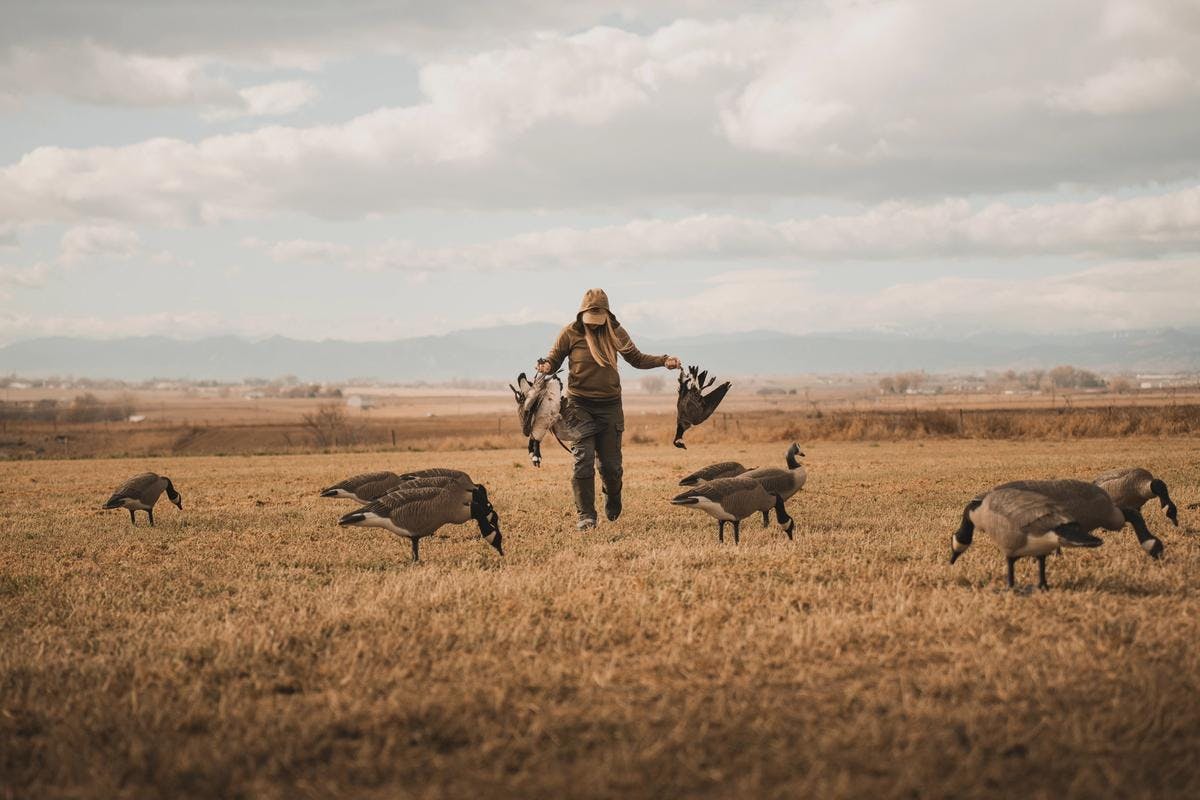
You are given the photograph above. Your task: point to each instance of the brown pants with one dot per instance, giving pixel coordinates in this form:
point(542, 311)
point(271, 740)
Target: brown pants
point(601, 423)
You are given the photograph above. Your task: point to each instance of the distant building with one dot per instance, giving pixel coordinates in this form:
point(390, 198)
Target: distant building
point(359, 402)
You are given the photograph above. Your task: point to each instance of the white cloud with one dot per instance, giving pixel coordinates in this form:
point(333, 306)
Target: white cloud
point(1131, 86)
point(1120, 296)
point(846, 100)
point(23, 277)
point(85, 242)
point(89, 73)
point(267, 100)
point(1147, 225)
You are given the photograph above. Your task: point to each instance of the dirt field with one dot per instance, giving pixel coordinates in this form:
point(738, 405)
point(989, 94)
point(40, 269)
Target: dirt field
point(249, 647)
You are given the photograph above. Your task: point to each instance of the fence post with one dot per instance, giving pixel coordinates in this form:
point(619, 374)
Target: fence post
point(393, 437)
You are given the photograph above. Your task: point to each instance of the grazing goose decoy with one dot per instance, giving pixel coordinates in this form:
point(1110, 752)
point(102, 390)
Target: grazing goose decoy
point(417, 513)
point(722, 469)
point(1134, 487)
point(693, 407)
point(783, 482)
point(365, 487)
point(1093, 509)
point(141, 492)
point(732, 500)
point(1025, 523)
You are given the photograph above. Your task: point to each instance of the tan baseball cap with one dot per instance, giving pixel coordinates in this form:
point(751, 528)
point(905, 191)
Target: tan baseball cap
point(595, 316)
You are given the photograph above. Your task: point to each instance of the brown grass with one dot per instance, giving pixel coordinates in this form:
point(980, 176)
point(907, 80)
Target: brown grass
point(249, 647)
point(499, 431)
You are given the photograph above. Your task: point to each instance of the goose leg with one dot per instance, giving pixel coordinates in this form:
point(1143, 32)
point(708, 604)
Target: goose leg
point(1042, 573)
point(1011, 563)
point(132, 518)
point(737, 529)
point(150, 514)
point(766, 518)
point(721, 531)
point(416, 549)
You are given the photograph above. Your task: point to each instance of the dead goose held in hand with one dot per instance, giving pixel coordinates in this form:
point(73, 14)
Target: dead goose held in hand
point(693, 406)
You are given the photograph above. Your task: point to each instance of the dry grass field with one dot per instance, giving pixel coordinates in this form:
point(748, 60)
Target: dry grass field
point(249, 647)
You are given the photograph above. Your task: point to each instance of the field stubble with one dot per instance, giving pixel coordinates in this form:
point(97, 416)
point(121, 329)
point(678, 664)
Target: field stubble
point(248, 646)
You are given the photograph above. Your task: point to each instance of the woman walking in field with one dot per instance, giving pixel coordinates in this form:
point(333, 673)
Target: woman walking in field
point(591, 344)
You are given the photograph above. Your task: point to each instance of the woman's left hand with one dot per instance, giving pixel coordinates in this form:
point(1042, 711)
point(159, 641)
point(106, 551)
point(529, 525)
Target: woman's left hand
point(672, 362)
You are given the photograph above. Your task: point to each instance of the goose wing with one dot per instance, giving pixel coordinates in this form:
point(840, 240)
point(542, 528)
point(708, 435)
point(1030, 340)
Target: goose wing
point(366, 486)
point(1032, 513)
point(738, 496)
point(435, 472)
point(135, 488)
point(722, 469)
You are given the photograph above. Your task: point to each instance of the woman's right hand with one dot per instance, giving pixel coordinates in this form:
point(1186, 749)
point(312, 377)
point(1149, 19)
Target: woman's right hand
point(543, 366)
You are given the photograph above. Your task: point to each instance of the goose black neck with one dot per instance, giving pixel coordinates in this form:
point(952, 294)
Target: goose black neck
point(1164, 497)
point(966, 529)
point(1135, 518)
point(791, 457)
point(171, 493)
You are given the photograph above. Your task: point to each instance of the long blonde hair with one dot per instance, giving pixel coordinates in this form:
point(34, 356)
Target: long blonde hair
point(604, 345)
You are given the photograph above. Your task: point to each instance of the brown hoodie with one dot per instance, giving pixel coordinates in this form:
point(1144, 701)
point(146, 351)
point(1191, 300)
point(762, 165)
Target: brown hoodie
point(587, 378)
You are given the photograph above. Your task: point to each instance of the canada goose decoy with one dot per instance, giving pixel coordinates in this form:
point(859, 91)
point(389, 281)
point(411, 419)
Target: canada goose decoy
point(417, 513)
point(722, 469)
point(693, 407)
point(141, 492)
point(1133, 487)
point(1026, 523)
point(783, 482)
point(732, 500)
point(365, 487)
point(1093, 509)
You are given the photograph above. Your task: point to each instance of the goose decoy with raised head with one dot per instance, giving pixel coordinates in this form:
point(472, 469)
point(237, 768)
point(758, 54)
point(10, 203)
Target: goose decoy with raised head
point(783, 482)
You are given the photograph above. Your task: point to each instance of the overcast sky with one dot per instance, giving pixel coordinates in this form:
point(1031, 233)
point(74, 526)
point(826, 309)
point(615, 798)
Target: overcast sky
point(366, 170)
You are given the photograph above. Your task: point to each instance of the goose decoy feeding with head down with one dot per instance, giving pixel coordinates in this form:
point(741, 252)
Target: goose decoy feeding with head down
point(141, 492)
point(1036, 518)
point(732, 500)
point(365, 487)
point(1133, 487)
point(693, 406)
point(415, 513)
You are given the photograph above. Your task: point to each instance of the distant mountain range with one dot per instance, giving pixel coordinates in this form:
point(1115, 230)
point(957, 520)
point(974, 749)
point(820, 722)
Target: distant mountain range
point(504, 351)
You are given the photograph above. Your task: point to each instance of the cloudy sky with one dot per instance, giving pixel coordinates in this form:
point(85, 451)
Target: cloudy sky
point(368, 170)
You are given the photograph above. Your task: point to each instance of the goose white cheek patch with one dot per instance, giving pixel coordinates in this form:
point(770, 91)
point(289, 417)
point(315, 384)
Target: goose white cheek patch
point(957, 546)
point(1150, 544)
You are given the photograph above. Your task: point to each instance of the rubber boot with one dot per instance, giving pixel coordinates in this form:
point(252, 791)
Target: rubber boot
point(612, 499)
point(585, 502)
